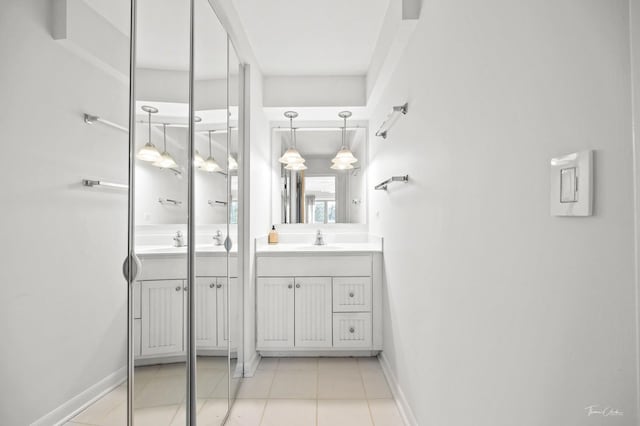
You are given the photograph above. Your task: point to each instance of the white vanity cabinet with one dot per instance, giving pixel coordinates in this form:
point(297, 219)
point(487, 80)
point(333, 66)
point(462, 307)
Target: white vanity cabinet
point(160, 300)
point(317, 303)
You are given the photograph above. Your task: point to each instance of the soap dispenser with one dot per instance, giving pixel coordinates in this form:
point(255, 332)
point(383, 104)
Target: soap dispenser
point(273, 235)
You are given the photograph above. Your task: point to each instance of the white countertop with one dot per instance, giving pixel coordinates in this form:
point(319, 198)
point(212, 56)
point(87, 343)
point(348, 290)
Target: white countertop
point(363, 247)
point(204, 249)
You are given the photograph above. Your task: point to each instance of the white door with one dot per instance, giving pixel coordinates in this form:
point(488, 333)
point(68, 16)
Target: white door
point(206, 312)
point(313, 312)
point(275, 312)
point(162, 317)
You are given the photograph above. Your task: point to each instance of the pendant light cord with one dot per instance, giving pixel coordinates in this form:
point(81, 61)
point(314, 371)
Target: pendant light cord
point(291, 130)
point(210, 156)
point(149, 126)
point(164, 135)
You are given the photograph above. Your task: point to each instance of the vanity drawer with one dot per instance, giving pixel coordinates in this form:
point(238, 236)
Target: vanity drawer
point(314, 266)
point(352, 330)
point(352, 294)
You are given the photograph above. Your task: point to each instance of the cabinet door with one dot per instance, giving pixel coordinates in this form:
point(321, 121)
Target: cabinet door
point(313, 314)
point(275, 312)
point(206, 312)
point(223, 322)
point(162, 317)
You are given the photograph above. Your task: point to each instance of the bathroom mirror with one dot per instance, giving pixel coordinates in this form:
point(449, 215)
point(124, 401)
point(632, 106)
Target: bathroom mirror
point(319, 194)
point(164, 302)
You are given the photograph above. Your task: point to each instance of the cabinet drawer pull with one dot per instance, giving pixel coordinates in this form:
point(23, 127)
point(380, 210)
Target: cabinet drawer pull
point(352, 330)
point(185, 288)
point(212, 285)
point(290, 286)
point(219, 286)
point(351, 294)
point(297, 285)
point(178, 288)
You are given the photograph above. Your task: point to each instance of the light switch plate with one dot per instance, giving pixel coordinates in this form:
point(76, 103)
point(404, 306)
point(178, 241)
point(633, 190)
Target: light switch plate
point(572, 184)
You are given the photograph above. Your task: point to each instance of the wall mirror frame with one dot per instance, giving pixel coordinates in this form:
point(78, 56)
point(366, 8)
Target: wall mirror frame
point(184, 269)
point(319, 195)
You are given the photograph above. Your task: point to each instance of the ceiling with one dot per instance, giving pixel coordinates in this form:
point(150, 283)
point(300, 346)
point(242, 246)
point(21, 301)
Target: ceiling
point(163, 34)
point(312, 37)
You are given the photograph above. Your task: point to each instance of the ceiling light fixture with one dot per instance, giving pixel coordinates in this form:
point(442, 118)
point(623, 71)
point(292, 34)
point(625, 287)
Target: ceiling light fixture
point(149, 152)
point(210, 164)
point(291, 155)
point(166, 161)
point(344, 159)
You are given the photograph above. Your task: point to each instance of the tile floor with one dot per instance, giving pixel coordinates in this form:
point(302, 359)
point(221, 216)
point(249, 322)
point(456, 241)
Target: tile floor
point(284, 391)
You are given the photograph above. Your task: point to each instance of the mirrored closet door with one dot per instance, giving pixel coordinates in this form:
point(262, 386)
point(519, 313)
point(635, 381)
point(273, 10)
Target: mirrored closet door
point(185, 296)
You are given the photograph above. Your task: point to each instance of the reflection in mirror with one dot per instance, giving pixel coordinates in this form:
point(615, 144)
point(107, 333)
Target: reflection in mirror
point(211, 205)
point(234, 167)
point(159, 295)
point(321, 169)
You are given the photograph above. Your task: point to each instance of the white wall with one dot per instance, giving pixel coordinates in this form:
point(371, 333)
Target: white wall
point(63, 304)
point(497, 313)
point(259, 188)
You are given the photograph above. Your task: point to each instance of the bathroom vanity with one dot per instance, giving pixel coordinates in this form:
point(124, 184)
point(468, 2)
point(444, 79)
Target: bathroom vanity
point(160, 297)
point(319, 300)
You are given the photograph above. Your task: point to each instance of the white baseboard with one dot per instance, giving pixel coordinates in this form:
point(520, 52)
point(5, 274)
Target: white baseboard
point(81, 401)
point(398, 395)
point(250, 366)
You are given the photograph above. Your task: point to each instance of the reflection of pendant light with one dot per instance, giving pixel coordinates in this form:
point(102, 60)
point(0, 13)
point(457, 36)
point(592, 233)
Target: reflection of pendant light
point(166, 161)
point(210, 164)
point(344, 159)
point(295, 164)
point(198, 161)
point(149, 152)
point(291, 155)
point(233, 164)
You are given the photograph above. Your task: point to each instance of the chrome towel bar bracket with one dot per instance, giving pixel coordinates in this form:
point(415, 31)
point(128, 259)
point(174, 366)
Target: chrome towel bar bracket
point(391, 119)
point(383, 185)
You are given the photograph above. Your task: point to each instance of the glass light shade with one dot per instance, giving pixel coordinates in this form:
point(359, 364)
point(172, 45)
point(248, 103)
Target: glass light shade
point(198, 161)
point(291, 156)
point(166, 161)
point(211, 166)
point(295, 166)
point(148, 153)
point(345, 156)
point(338, 165)
point(233, 164)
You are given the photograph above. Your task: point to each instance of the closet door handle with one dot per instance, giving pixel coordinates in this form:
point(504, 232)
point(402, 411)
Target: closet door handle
point(290, 286)
point(212, 285)
point(178, 288)
point(297, 285)
point(351, 294)
point(219, 286)
point(352, 330)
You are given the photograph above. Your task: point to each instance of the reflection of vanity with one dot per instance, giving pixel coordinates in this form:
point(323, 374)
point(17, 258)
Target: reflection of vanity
point(319, 300)
point(160, 302)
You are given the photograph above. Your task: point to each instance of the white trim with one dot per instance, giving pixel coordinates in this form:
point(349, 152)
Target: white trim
point(401, 401)
point(78, 403)
point(251, 365)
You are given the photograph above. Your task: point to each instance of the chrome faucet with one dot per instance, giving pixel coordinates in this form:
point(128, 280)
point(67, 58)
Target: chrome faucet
point(218, 238)
point(178, 240)
point(319, 239)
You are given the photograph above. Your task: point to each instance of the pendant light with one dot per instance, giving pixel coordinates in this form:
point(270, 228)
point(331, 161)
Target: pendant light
point(210, 164)
point(295, 165)
point(149, 152)
point(198, 161)
point(344, 159)
point(166, 161)
point(291, 155)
